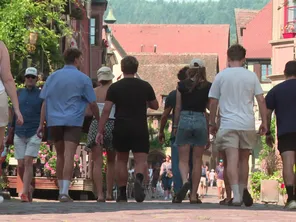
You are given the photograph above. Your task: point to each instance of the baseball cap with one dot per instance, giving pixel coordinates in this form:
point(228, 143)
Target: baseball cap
point(31, 71)
point(290, 68)
point(105, 73)
point(195, 63)
point(221, 161)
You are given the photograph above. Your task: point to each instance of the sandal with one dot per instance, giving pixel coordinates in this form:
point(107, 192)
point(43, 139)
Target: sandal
point(30, 194)
point(24, 198)
point(110, 199)
point(65, 198)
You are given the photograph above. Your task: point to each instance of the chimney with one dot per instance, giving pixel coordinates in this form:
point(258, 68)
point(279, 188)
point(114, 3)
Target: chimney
point(155, 47)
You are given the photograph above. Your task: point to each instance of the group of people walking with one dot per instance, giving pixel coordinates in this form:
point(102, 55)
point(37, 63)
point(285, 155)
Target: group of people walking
point(119, 124)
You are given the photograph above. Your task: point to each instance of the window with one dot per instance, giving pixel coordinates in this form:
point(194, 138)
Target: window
point(290, 16)
point(265, 72)
point(163, 97)
point(92, 31)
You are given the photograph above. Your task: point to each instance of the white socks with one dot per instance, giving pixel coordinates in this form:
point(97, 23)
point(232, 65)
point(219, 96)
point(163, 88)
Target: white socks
point(66, 185)
point(242, 187)
point(236, 193)
point(60, 182)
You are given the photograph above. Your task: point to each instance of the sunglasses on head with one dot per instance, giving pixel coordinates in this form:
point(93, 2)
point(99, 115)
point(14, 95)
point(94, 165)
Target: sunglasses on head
point(30, 77)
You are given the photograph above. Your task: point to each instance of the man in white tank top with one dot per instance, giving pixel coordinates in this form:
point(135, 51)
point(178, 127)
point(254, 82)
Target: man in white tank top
point(7, 84)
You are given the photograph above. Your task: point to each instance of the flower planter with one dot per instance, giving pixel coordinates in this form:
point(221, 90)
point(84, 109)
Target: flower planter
point(269, 191)
point(289, 35)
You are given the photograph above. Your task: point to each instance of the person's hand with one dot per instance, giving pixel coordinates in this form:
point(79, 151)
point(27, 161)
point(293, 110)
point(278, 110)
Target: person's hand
point(269, 140)
point(208, 144)
point(19, 117)
point(100, 138)
point(161, 137)
point(263, 129)
point(213, 130)
point(40, 131)
point(175, 131)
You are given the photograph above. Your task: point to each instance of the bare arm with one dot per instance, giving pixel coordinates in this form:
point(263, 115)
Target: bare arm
point(262, 108)
point(93, 107)
point(43, 112)
point(213, 111)
point(105, 116)
point(153, 104)
point(177, 109)
point(269, 115)
point(6, 76)
point(164, 119)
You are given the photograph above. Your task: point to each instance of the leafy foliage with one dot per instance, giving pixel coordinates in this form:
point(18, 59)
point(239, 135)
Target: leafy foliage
point(193, 12)
point(22, 17)
point(154, 143)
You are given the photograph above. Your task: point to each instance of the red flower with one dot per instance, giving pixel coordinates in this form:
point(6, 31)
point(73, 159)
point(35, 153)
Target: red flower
point(104, 153)
point(283, 186)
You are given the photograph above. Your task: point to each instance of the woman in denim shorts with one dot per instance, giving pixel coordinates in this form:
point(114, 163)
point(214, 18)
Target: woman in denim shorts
point(191, 128)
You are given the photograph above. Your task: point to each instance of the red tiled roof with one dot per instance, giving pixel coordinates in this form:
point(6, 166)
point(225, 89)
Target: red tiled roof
point(242, 18)
point(160, 70)
point(258, 33)
point(176, 39)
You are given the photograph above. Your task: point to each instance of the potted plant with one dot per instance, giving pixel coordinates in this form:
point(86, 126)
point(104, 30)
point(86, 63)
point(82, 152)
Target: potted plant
point(289, 31)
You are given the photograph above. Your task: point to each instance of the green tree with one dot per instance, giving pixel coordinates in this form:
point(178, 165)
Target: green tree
point(22, 17)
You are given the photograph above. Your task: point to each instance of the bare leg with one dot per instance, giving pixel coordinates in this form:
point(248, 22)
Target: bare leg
point(226, 181)
point(97, 171)
point(28, 174)
point(21, 168)
point(196, 172)
point(232, 155)
point(183, 162)
point(2, 133)
point(110, 173)
point(121, 174)
point(244, 155)
point(288, 158)
point(60, 149)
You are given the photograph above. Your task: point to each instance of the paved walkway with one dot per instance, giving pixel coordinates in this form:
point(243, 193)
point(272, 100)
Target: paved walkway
point(154, 211)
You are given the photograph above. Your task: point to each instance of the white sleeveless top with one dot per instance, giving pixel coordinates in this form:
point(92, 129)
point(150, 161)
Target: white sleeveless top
point(112, 113)
point(2, 88)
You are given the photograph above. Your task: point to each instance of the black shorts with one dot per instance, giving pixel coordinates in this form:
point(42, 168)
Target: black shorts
point(136, 142)
point(287, 142)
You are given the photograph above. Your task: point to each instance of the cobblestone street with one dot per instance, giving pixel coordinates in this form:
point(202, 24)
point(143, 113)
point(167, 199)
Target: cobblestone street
point(42, 210)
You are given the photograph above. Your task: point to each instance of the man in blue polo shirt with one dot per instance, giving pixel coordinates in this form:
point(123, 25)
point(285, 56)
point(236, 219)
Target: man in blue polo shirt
point(67, 92)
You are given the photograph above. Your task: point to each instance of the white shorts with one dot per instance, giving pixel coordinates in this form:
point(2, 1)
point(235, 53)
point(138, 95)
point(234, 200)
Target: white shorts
point(26, 146)
point(3, 109)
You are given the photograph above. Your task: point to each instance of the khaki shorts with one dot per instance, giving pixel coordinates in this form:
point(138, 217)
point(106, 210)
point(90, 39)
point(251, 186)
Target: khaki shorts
point(26, 146)
point(220, 184)
point(241, 139)
point(3, 109)
point(203, 181)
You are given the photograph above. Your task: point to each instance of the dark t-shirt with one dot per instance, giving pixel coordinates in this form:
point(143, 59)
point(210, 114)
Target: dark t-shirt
point(282, 99)
point(220, 172)
point(195, 100)
point(170, 101)
point(130, 96)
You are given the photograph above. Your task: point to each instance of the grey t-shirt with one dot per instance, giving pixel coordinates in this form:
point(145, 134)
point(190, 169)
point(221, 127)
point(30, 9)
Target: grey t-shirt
point(235, 89)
